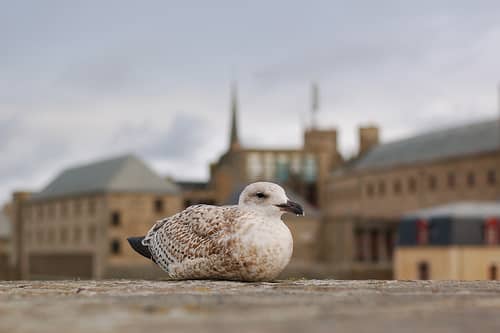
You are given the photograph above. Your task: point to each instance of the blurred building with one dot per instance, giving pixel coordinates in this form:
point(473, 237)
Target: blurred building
point(368, 195)
point(78, 224)
point(5, 243)
point(458, 241)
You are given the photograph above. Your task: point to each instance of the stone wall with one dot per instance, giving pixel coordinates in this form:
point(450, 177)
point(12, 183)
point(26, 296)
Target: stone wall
point(220, 306)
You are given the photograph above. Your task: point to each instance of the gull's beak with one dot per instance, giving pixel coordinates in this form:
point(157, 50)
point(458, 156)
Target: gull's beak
point(291, 207)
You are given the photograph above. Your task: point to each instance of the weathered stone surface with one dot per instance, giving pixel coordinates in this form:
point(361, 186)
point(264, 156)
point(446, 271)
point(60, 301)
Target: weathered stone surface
point(220, 306)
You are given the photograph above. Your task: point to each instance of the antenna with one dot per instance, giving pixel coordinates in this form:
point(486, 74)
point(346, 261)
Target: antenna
point(314, 103)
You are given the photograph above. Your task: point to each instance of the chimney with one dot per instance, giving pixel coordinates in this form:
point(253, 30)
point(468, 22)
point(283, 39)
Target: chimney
point(368, 138)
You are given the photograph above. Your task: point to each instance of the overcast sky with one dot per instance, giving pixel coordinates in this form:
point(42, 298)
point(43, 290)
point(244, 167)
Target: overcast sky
point(84, 80)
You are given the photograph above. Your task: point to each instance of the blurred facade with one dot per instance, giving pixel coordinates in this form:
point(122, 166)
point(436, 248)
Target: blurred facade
point(369, 194)
point(5, 243)
point(456, 241)
point(77, 226)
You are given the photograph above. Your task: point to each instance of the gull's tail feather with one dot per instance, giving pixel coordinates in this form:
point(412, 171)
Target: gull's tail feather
point(136, 244)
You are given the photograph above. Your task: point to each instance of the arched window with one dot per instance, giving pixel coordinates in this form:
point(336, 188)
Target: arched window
point(423, 270)
point(493, 272)
point(491, 229)
point(422, 232)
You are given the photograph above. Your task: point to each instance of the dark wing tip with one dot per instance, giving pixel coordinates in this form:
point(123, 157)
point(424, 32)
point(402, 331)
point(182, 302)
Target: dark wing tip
point(136, 244)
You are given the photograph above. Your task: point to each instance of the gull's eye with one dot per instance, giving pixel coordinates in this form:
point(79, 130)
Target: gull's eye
point(261, 195)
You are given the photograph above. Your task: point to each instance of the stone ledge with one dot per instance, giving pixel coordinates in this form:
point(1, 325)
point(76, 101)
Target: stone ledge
point(221, 306)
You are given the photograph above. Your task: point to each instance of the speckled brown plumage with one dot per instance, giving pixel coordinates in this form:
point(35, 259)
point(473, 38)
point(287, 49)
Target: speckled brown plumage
point(241, 242)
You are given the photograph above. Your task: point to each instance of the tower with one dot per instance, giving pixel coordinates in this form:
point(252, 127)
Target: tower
point(234, 141)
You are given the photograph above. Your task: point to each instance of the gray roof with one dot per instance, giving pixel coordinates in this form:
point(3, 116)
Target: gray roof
point(188, 185)
point(5, 226)
point(470, 209)
point(122, 174)
point(468, 139)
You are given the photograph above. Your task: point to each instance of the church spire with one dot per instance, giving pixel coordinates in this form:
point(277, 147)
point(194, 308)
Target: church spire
point(234, 141)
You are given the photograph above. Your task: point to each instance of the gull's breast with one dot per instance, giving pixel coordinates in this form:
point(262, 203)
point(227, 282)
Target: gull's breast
point(264, 249)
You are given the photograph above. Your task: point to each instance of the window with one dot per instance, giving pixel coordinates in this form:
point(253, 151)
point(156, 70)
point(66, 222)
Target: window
point(254, 166)
point(91, 207)
point(158, 206)
point(33, 213)
point(269, 166)
point(451, 180)
point(64, 209)
point(63, 235)
point(310, 168)
point(115, 219)
point(491, 229)
point(27, 237)
point(492, 177)
point(39, 236)
point(432, 182)
point(381, 187)
point(370, 190)
point(412, 185)
point(27, 214)
point(77, 207)
point(311, 193)
point(389, 243)
point(471, 179)
point(295, 165)
point(40, 212)
point(493, 272)
point(423, 270)
point(51, 236)
point(50, 210)
point(397, 187)
point(282, 168)
point(115, 246)
point(77, 234)
point(374, 245)
point(360, 245)
point(92, 234)
point(422, 232)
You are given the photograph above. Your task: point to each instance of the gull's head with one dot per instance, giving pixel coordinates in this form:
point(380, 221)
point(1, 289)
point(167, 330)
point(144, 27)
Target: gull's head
point(269, 199)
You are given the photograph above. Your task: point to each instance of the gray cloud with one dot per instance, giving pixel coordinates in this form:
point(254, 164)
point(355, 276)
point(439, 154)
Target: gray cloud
point(87, 80)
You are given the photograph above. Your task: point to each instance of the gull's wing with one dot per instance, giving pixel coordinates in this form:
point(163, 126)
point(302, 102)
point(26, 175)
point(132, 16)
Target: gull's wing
point(197, 232)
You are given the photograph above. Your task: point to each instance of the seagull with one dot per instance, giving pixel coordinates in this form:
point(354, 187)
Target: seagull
point(244, 242)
